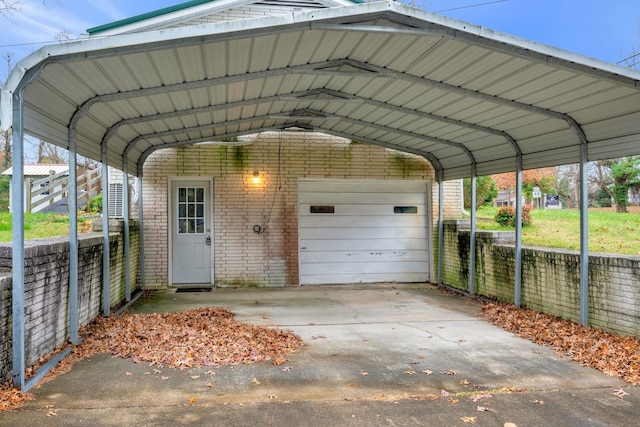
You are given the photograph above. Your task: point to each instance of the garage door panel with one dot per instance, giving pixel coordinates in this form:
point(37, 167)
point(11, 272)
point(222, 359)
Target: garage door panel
point(327, 221)
point(363, 231)
point(362, 198)
point(362, 245)
point(358, 233)
point(331, 279)
point(380, 256)
point(358, 210)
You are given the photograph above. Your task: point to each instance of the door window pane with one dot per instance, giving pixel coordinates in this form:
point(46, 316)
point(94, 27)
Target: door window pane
point(190, 210)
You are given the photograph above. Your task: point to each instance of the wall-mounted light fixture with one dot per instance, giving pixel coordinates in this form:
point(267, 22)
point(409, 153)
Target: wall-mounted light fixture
point(256, 178)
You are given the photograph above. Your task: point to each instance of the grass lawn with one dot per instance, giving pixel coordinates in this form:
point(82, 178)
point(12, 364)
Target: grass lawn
point(39, 225)
point(608, 231)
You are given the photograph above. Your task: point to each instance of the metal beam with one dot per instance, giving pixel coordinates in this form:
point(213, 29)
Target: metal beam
point(472, 242)
point(17, 242)
point(440, 223)
point(74, 323)
point(141, 232)
point(517, 299)
point(106, 282)
point(584, 236)
point(127, 249)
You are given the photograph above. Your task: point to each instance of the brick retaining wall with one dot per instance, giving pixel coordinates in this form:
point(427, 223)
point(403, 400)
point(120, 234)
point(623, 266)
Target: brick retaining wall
point(550, 277)
point(46, 290)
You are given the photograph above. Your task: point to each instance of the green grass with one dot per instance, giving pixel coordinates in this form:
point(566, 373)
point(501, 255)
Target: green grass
point(609, 231)
point(39, 225)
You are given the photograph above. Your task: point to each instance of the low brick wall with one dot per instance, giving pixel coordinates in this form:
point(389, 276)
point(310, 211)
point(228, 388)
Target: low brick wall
point(47, 290)
point(550, 277)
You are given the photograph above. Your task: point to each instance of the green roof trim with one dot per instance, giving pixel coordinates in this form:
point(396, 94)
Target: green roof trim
point(159, 12)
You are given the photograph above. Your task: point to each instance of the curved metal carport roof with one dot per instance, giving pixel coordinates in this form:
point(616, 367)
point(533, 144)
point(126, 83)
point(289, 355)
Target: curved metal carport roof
point(470, 100)
point(380, 72)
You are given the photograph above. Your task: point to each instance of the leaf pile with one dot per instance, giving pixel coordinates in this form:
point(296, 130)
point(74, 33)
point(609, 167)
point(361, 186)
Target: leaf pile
point(614, 355)
point(195, 338)
point(202, 337)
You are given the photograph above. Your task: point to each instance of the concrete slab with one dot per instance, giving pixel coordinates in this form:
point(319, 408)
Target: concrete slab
point(373, 355)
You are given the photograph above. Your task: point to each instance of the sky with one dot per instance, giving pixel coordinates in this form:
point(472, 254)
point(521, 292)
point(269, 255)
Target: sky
point(604, 29)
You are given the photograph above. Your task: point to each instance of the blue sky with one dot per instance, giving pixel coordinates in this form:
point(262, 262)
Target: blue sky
point(603, 29)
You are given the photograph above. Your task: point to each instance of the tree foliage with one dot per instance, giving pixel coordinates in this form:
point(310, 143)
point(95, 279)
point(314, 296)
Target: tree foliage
point(486, 191)
point(616, 176)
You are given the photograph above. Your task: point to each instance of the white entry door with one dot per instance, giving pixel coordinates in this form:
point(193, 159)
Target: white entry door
point(191, 237)
point(363, 231)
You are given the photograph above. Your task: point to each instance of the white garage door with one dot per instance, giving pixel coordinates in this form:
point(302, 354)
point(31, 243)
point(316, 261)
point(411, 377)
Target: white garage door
point(363, 231)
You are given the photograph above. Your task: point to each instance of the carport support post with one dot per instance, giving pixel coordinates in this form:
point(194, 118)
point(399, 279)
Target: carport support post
point(141, 232)
point(17, 244)
point(73, 238)
point(106, 297)
point(125, 203)
point(472, 244)
point(584, 238)
point(440, 224)
point(518, 273)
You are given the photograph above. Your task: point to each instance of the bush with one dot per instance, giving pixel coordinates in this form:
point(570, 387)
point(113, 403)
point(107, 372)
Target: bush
point(506, 216)
point(95, 205)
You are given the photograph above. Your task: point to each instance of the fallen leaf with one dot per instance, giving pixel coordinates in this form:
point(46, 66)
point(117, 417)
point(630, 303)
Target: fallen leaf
point(481, 396)
point(510, 425)
point(193, 400)
point(444, 393)
point(164, 378)
point(287, 368)
point(453, 401)
point(483, 409)
point(468, 419)
point(464, 382)
point(428, 372)
point(410, 372)
point(195, 377)
point(620, 393)
point(272, 396)
point(449, 372)
point(128, 374)
point(255, 381)
point(537, 402)
point(364, 373)
point(279, 361)
point(209, 385)
point(51, 414)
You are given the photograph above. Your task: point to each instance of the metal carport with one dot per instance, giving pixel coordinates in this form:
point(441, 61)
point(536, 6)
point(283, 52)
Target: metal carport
point(470, 100)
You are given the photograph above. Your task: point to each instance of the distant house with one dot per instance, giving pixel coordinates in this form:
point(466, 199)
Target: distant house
point(41, 180)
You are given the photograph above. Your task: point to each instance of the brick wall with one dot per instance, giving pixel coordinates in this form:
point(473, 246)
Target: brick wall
point(46, 290)
point(269, 259)
point(550, 278)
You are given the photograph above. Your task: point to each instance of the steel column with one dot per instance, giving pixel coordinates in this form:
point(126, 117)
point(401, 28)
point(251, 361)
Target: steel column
point(472, 244)
point(106, 290)
point(440, 224)
point(141, 232)
point(584, 237)
point(17, 242)
point(125, 205)
point(73, 239)
point(518, 272)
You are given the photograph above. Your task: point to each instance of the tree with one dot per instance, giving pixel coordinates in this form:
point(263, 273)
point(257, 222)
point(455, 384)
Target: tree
point(615, 176)
point(545, 178)
point(486, 191)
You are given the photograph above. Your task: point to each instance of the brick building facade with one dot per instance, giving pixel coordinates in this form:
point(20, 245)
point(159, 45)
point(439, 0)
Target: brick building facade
point(242, 257)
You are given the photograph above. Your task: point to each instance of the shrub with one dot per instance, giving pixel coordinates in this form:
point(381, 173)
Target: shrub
point(95, 204)
point(506, 216)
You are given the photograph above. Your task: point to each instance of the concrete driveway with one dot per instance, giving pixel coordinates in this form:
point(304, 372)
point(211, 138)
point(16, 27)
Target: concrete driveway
point(387, 355)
